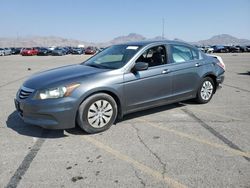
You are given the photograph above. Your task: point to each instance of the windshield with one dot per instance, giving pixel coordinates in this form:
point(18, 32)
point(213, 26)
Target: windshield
point(113, 57)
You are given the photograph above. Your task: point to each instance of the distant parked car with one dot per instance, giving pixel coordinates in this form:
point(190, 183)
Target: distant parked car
point(29, 51)
point(52, 47)
point(2, 53)
point(68, 50)
point(90, 50)
point(58, 51)
point(248, 48)
point(7, 51)
point(208, 49)
point(242, 48)
point(15, 51)
point(77, 51)
point(232, 49)
point(219, 49)
point(44, 51)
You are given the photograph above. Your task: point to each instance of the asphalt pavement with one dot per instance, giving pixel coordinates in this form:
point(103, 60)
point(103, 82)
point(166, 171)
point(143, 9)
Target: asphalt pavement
point(177, 145)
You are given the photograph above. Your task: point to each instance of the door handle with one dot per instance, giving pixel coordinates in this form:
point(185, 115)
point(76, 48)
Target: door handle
point(165, 71)
point(197, 64)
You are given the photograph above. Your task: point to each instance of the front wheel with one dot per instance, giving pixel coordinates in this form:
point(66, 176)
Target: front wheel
point(205, 91)
point(97, 113)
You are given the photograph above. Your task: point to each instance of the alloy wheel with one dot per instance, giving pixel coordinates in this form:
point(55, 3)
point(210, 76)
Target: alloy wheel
point(99, 113)
point(206, 90)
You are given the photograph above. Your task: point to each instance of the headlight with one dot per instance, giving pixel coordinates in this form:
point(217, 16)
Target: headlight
point(58, 92)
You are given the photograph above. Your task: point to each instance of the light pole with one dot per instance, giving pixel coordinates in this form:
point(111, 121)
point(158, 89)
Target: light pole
point(163, 28)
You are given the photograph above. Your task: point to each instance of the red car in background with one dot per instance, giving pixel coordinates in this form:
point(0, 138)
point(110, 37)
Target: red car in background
point(90, 50)
point(29, 51)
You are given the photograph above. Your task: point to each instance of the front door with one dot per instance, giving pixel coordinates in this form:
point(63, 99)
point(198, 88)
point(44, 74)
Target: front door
point(148, 87)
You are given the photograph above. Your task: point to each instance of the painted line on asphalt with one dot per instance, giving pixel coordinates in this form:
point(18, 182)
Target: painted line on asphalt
point(235, 87)
point(223, 107)
point(13, 81)
point(194, 138)
point(214, 132)
point(219, 115)
point(24, 166)
point(170, 181)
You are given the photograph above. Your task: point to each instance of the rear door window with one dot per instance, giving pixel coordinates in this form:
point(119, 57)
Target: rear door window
point(182, 53)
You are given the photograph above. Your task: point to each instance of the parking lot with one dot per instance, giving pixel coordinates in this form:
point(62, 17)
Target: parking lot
point(178, 145)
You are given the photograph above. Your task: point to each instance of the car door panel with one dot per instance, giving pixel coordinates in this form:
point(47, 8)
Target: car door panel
point(185, 78)
point(186, 67)
point(143, 88)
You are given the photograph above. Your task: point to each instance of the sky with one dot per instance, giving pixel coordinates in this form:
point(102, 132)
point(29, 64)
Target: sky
point(102, 20)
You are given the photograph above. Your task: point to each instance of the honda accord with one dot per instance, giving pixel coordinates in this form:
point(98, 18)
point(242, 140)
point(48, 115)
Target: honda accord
point(119, 80)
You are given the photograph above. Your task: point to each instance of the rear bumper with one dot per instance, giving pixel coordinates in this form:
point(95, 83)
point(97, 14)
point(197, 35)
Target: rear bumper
point(220, 80)
point(49, 114)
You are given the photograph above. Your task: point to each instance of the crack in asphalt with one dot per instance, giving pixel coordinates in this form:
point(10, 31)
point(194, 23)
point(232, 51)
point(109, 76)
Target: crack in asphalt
point(139, 178)
point(152, 152)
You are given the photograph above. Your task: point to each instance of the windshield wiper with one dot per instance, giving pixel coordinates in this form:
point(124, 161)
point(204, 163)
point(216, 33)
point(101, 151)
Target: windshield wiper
point(94, 65)
point(100, 66)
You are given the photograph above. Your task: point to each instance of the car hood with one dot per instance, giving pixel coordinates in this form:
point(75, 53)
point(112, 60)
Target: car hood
point(60, 76)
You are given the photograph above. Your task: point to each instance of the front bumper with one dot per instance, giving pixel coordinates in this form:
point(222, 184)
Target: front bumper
point(50, 113)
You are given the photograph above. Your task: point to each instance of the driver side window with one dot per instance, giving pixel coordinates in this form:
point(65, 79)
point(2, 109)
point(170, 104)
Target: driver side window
point(154, 56)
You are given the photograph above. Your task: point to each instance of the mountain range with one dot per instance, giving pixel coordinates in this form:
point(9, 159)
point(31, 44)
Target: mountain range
point(223, 39)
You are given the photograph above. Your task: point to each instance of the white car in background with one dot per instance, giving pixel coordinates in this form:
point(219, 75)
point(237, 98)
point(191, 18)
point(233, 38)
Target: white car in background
point(208, 49)
point(2, 53)
point(52, 48)
point(7, 51)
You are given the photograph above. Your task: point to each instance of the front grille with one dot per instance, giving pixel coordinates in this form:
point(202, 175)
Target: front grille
point(25, 92)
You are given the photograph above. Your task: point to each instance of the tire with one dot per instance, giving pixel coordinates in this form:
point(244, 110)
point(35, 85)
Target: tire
point(97, 113)
point(205, 91)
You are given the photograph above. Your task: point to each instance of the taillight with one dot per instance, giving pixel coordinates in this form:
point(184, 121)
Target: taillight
point(220, 62)
point(222, 65)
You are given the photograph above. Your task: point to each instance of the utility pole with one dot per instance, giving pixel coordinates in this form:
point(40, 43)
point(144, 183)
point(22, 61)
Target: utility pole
point(17, 39)
point(163, 28)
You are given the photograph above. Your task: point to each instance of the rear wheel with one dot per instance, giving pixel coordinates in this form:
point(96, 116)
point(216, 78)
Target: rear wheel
point(97, 113)
point(205, 91)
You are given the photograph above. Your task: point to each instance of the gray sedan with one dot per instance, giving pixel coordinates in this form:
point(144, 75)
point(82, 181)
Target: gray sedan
point(119, 80)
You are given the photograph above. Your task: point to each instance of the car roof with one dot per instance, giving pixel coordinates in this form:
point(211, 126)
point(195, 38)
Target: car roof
point(149, 42)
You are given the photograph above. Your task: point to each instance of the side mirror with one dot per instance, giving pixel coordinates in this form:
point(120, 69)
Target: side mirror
point(140, 66)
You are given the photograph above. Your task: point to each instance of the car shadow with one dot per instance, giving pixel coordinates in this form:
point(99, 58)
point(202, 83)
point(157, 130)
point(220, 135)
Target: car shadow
point(77, 131)
point(15, 123)
point(150, 111)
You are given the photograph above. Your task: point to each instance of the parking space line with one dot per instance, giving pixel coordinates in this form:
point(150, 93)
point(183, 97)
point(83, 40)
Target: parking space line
point(24, 166)
point(13, 81)
point(170, 181)
point(222, 107)
point(194, 138)
point(214, 132)
point(235, 87)
point(219, 115)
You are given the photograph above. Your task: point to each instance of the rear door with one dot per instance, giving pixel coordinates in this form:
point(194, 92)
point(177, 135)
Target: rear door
point(186, 65)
